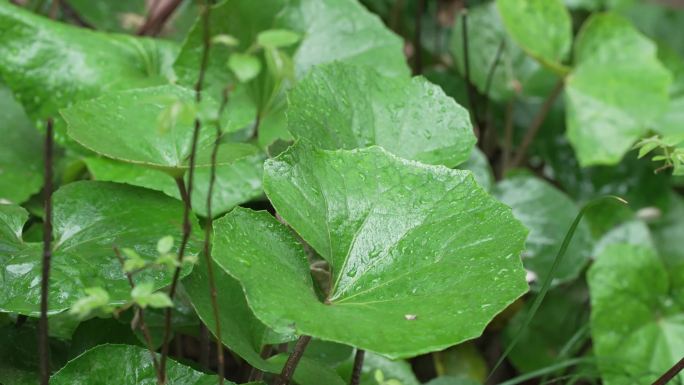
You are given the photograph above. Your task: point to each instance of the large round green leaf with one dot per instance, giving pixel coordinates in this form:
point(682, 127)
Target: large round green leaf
point(637, 322)
point(128, 126)
point(548, 213)
point(420, 256)
point(235, 183)
point(89, 219)
point(542, 28)
point(21, 166)
point(124, 365)
point(617, 90)
point(344, 106)
point(50, 64)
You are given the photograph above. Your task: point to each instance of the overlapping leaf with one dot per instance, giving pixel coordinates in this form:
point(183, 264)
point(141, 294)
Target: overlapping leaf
point(21, 171)
point(128, 126)
point(617, 90)
point(548, 213)
point(124, 365)
point(343, 106)
point(636, 320)
point(50, 65)
point(90, 218)
point(420, 256)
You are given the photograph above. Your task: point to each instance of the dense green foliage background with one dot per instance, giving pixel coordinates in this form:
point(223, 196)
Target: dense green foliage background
point(394, 176)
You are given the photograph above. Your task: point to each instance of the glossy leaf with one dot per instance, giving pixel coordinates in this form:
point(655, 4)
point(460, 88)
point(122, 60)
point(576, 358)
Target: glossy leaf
point(125, 126)
point(636, 320)
point(236, 183)
point(374, 217)
point(344, 106)
point(124, 365)
point(617, 90)
point(90, 218)
point(547, 18)
point(548, 213)
point(21, 168)
point(50, 65)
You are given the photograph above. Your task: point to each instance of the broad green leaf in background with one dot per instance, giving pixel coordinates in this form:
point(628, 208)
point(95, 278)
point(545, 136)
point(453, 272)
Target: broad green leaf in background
point(124, 365)
point(463, 360)
point(397, 370)
point(478, 164)
point(542, 28)
point(235, 183)
point(50, 64)
point(89, 219)
point(344, 106)
point(21, 149)
point(547, 213)
point(632, 232)
point(616, 92)
point(451, 380)
point(374, 217)
point(637, 322)
point(516, 72)
point(667, 236)
point(126, 126)
point(561, 316)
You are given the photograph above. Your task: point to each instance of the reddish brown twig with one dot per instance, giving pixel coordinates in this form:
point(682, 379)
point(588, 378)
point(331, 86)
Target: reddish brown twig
point(157, 18)
point(358, 366)
point(671, 373)
point(292, 361)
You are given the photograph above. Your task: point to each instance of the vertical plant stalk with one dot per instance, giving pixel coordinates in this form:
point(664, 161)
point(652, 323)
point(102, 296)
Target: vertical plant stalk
point(186, 190)
point(550, 275)
point(256, 374)
point(207, 240)
point(490, 79)
point(141, 320)
point(358, 365)
point(417, 43)
point(158, 17)
point(671, 373)
point(292, 361)
point(43, 342)
point(536, 124)
point(472, 95)
point(508, 140)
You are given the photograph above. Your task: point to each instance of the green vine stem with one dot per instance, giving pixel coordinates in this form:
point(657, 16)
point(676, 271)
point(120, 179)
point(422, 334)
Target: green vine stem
point(43, 343)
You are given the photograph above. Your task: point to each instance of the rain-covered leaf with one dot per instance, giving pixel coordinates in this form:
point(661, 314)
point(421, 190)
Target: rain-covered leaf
point(124, 365)
point(547, 18)
point(125, 126)
point(89, 219)
point(616, 92)
point(236, 183)
point(343, 106)
point(636, 319)
point(21, 169)
point(50, 65)
point(374, 217)
point(547, 212)
point(516, 73)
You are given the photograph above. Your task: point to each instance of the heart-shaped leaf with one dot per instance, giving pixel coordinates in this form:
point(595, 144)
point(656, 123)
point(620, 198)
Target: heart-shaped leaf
point(420, 256)
point(89, 219)
point(126, 126)
point(124, 365)
point(344, 106)
point(636, 317)
point(21, 170)
point(50, 64)
point(548, 213)
point(235, 183)
point(617, 90)
point(547, 18)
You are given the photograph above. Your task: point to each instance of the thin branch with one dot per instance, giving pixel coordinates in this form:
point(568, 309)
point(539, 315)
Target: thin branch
point(292, 361)
point(255, 374)
point(472, 104)
point(141, 319)
point(186, 191)
point(417, 43)
point(508, 140)
point(536, 124)
point(207, 240)
point(43, 343)
point(157, 18)
point(358, 365)
point(490, 77)
point(671, 373)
